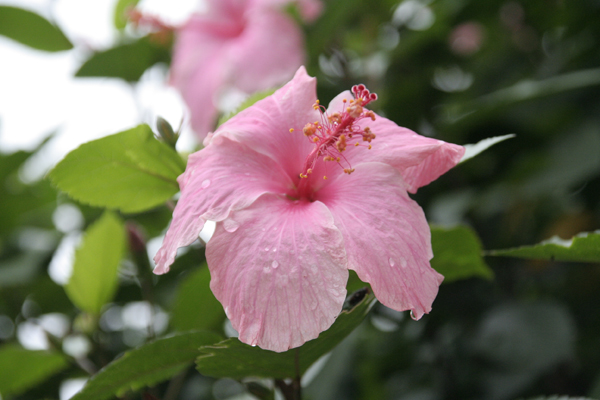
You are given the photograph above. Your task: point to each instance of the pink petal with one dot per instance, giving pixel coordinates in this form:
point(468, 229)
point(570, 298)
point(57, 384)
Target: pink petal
point(265, 127)
point(387, 238)
point(278, 268)
point(419, 159)
point(267, 53)
point(198, 70)
point(235, 44)
point(222, 177)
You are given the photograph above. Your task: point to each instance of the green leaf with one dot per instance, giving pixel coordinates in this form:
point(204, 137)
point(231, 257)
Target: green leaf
point(130, 171)
point(23, 369)
point(585, 247)
point(31, 30)
point(121, 8)
point(234, 359)
point(127, 61)
point(21, 203)
point(471, 150)
point(525, 90)
point(146, 366)
point(457, 254)
point(195, 305)
point(247, 103)
point(94, 278)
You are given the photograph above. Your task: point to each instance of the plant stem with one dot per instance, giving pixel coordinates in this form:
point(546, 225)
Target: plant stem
point(293, 390)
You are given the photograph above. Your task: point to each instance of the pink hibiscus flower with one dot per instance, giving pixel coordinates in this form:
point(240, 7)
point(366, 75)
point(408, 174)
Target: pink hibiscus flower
point(301, 195)
point(251, 45)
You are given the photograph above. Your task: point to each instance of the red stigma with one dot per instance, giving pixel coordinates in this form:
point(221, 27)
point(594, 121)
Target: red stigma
point(338, 132)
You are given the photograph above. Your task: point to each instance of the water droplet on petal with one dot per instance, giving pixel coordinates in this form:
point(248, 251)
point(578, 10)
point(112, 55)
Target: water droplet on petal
point(274, 249)
point(412, 315)
point(275, 264)
point(266, 249)
point(392, 262)
point(230, 225)
point(205, 183)
point(403, 262)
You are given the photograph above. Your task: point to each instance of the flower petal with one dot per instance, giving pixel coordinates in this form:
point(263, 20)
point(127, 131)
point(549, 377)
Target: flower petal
point(387, 238)
point(224, 176)
point(265, 126)
point(267, 53)
point(419, 159)
point(197, 69)
point(279, 269)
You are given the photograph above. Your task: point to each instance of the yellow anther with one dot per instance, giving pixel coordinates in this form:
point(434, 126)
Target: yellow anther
point(344, 101)
point(335, 118)
point(341, 143)
point(303, 175)
point(369, 147)
point(291, 130)
point(349, 170)
point(355, 109)
point(356, 144)
point(371, 115)
point(309, 171)
point(324, 177)
point(338, 159)
point(309, 129)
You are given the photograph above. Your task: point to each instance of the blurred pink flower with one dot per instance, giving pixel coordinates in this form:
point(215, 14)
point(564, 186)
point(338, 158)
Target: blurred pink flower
point(250, 45)
point(466, 38)
point(301, 195)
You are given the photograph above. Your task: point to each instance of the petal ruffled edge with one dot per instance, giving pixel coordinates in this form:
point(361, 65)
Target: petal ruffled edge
point(212, 186)
point(387, 238)
point(419, 159)
point(279, 269)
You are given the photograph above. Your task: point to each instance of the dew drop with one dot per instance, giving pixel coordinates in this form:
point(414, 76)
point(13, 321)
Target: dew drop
point(266, 249)
point(403, 262)
point(205, 183)
point(275, 264)
point(412, 315)
point(230, 225)
point(392, 262)
point(274, 249)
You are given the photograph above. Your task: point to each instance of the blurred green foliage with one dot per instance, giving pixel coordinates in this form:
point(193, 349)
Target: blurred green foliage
point(461, 71)
point(32, 30)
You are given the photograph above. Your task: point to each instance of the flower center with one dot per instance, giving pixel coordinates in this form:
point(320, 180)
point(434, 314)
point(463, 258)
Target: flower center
point(338, 131)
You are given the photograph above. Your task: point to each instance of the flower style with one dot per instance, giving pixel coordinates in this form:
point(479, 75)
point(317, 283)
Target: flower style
point(300, 195)
point(247, 44)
